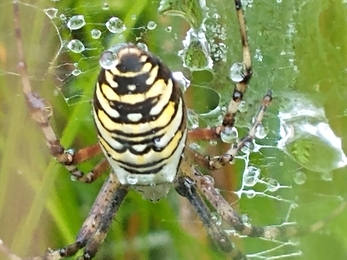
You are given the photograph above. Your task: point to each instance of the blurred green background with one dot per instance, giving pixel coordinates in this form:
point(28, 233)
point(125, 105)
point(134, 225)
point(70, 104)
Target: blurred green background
point(299, 50)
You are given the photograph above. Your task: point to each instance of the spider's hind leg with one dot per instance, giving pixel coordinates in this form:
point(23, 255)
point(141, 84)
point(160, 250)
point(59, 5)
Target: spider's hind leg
point(186, 187)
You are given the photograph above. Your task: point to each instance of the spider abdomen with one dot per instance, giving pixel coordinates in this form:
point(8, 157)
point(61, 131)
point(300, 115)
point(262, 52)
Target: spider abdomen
point(140, 117)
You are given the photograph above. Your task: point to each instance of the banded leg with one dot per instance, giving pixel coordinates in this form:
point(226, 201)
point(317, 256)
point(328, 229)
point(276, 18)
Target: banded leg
point(94, 228)
point(218, 162)
point(205, 185)
point(41, 113)
point(185, 186)
point(240, 87)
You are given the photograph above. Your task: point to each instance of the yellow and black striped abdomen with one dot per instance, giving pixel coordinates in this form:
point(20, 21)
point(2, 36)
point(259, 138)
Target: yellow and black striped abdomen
point(140, 117)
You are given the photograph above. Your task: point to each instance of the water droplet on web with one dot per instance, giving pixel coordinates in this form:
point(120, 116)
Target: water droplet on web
point(216, 218)
point(76, 46)
point(76, 72)
point(251, 176)
point(229, 135)
point(245, 218)
point(95, 33)
point(250, 193)
point(243, 107)
point(261, 132)
point(213, 142)
point(247, 147)
point(237, 72)
point(51, 12)
point(300, 177)
point(194, 146)
point(76, 22)
point(133, 17)
point(115, 25)
point(307, 138)
point(105, 6)
point(63, 17)
point(73, 178)
point(195, 54)
point(157, 142)
point(272, 185)
point(151, 25)
point(132, 179)
point(108, 60)
point(168, 29)
point(142, 46)
point(327, 176)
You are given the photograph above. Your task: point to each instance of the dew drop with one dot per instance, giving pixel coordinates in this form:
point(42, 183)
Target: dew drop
point(250, 194)
point(245, 218)
point(108, 60)
point(237, 72)
point(243, 106)
point(115, 25)
point(261, 132)
point(251, 176)
point(132, 179)
point(196, 53)
point(105, 6)
point(273, 185)
point(327, 176)
point(151, 25)
point(299, 177)
point(76, 72)
point(216, 218)
point(76, 22)
point(168, 29)
point(142, 46)
point(194, 146)
point(157, 141)
point(229, 135)
point(73, 178)
point(95, 33)
point(51, 12)
point(76, 46)
point(247, 147)
point(63, 17)
point(213, 142)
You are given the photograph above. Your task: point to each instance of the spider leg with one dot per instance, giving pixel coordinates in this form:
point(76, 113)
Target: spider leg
point(94, 228)
point(218, 162)
point(239, 89)
point(205, 185)
point(41, 112)
point(186, 187)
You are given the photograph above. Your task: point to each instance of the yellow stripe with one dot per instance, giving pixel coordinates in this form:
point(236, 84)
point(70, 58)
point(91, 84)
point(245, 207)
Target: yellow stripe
point(172, 127)
point(139, 128)
point(158, 88)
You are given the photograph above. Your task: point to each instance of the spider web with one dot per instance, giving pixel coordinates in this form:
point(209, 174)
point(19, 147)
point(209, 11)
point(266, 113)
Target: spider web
point(292, 172)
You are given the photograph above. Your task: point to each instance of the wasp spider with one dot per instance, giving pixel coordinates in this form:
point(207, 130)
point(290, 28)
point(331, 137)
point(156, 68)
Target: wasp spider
point(141, 120)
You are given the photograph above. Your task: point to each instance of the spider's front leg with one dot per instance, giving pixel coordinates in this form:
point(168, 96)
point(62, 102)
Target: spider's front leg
point(41, 113)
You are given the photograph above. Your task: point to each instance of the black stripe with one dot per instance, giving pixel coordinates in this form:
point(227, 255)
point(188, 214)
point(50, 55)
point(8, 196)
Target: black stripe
point(152, 171)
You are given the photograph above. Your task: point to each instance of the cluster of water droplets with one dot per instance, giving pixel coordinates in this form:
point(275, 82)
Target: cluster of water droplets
point(76, 22)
